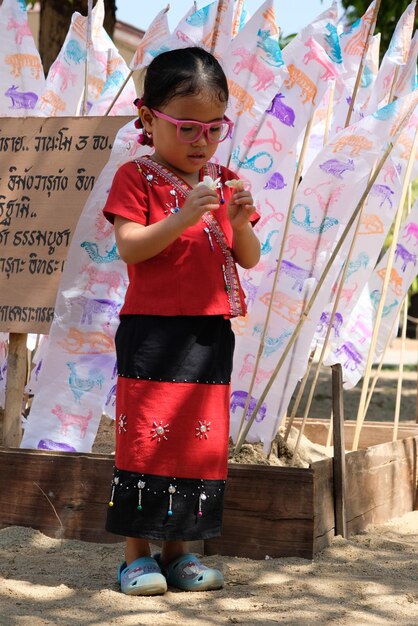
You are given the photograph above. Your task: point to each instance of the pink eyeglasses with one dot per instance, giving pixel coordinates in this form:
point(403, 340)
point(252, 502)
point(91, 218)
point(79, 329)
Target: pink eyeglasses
point(189, 131)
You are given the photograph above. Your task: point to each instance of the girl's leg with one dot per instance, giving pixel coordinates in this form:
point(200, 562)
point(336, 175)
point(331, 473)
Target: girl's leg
point(171, 550)
point(136, 548)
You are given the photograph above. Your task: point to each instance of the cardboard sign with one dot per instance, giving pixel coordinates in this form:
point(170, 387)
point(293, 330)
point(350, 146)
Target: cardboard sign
point(48, 167)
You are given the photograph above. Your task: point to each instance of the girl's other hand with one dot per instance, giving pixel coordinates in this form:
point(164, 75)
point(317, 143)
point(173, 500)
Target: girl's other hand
point(240, 208)
point(200, 200)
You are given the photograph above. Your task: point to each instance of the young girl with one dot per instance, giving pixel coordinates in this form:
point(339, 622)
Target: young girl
point(180, 236)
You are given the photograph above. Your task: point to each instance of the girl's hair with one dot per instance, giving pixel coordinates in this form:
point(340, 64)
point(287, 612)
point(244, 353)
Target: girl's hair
point(183, 72)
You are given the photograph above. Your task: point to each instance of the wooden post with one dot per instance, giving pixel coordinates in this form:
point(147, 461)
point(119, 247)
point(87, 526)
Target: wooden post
point(15, 385)
point(417, 397)
point(339, 450)
point(89, 48)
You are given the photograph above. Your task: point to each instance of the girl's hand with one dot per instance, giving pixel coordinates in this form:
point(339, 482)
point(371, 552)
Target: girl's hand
point(240, 208)
point(200, 200)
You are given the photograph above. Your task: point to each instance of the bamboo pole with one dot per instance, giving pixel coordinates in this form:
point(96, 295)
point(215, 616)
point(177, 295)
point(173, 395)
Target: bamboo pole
point(299, 395)
point(362, 62)
point(330, 431)
point(88, 49)
point(278, 264)
point(404, 316)
point(15, 384)
point(403, 340)
point(329, 329)
point(360, 414)
point(338, 461)
point(329, 112)
point(394, 81)
point(309, 305)
point(220, 9)
point(304, 316)
point(121, 88)
point(237, 17)
point(125, 82)
point(379, 369)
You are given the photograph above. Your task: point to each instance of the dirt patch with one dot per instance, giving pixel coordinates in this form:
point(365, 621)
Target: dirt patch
point(370, 579)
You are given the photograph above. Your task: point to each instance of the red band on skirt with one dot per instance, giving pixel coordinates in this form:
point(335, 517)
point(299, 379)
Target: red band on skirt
point(172, 429)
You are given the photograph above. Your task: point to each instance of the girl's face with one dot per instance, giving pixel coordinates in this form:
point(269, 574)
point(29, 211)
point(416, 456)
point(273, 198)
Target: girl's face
point(185, 159)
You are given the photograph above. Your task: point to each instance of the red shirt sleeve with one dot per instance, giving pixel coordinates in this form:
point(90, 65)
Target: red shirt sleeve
point(128, 195)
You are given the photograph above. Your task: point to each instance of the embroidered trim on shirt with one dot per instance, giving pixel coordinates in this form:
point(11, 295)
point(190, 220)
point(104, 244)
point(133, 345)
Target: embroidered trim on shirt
point(164, 172)
point(228, 269)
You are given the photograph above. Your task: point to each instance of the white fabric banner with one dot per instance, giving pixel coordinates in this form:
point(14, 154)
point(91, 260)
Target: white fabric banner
point(353, 345)
point(79, 356)
point(22, 77)
point(317, 220)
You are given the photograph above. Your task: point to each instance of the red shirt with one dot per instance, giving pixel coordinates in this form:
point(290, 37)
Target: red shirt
point(196, 274)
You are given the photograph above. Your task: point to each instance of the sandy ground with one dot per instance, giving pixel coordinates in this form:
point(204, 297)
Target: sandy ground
point(370, 579)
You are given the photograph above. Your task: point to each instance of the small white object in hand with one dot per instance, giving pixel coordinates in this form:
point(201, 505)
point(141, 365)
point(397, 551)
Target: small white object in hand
point(235, 184)
point(209, 182)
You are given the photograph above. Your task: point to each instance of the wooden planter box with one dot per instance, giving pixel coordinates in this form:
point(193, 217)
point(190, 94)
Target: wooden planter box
point(272, 511)
point(278, 511)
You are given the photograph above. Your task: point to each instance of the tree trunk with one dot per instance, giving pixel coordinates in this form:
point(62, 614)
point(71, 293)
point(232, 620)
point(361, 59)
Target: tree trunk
point(55, 20)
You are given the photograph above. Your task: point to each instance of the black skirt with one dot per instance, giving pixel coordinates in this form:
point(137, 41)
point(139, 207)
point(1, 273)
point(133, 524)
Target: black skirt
point(172, 426)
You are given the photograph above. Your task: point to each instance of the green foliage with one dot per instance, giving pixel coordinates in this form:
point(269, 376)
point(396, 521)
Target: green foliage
point(389, 14)
point(283, 41)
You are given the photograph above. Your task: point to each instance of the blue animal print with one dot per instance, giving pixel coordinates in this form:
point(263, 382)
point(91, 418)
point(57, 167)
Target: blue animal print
point(92, 250)
point(307, 224)
point(115, 79)
point(157, 51)
point(333, 41)
point(362, 260)
point(366, 77)
point(352, 28)
point(375, 298)
point(74, 52)
point(200, 17)
point(271, 47)
point(266, 247)
point(387, 112)
point(271, 344)
point(79, 385)
point(243, 18)
point(249, 163)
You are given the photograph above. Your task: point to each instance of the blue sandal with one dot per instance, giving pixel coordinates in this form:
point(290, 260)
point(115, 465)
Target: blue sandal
point(142, 577)
point(189, 574)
